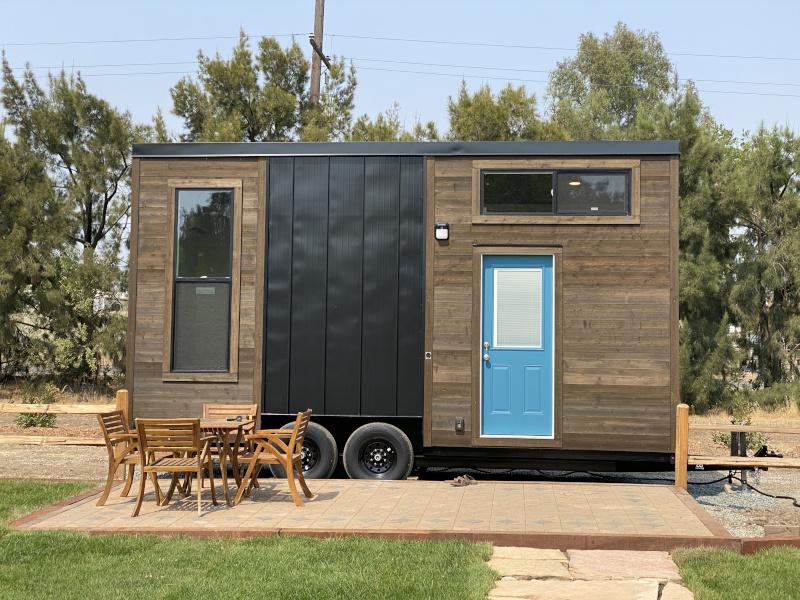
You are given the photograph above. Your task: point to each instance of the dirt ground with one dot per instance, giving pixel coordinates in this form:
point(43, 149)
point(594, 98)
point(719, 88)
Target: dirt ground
point(90, 463)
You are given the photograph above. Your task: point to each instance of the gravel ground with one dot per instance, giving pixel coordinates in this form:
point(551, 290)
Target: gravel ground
point(740, 510)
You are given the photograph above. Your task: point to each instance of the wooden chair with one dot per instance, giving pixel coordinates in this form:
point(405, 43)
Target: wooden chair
point(271, 449)
point(123, 449)
point(190, 455)
point(224, 411)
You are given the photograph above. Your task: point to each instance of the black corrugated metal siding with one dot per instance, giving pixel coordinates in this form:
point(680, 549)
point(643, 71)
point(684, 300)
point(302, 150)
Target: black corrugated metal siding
point(345, 286)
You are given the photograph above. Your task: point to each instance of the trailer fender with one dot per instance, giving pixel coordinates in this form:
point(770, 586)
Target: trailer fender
point(378, 451)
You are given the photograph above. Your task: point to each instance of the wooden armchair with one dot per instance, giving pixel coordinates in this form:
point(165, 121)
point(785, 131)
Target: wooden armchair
point(271, 449)
point(123, 449)
point(190, 454)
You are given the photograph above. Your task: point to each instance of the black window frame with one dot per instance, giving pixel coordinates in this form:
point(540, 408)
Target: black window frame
point(555, 172)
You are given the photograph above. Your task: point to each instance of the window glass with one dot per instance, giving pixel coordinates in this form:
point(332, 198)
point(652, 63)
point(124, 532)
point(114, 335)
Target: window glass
point(204, 223)
point(530, 192)
point(518, 308)
point(592, 193)
point(201, 326)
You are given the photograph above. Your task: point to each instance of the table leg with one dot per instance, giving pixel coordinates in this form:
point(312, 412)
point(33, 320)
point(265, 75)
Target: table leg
point(223, 451)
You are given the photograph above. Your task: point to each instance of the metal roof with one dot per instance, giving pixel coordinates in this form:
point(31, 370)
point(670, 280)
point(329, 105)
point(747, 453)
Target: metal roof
point(208, 150)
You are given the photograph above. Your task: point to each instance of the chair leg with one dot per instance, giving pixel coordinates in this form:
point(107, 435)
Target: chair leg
point(139, 496)
point(172, 486)
point(211, 484)
point(302, 480)
point(245, 483)
point(109, 482)
point(292, 488)
point(128, 481)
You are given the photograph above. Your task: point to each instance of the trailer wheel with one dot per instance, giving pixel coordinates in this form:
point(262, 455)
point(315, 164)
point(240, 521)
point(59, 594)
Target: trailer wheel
point(378, 451)
point(320, 453)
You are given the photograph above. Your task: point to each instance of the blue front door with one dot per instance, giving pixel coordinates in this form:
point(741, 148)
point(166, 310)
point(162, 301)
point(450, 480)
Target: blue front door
point(517, 346)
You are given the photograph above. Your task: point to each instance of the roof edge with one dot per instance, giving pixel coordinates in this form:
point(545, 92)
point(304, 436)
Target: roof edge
point(242, 149)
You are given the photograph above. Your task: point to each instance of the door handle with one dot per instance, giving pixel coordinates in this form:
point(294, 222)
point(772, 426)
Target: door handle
point(486, 357)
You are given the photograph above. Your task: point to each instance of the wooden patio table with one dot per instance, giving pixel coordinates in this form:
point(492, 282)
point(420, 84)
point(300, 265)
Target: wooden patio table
point(222, 429)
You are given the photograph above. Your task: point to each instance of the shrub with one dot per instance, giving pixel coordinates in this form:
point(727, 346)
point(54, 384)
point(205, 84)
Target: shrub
point(45, 394)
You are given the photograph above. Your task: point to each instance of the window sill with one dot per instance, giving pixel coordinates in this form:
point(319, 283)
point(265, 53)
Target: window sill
point(201, 377)
point(556, 220)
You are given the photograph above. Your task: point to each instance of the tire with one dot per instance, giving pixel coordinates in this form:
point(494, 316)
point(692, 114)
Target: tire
point(378, 451)
point(320, 453)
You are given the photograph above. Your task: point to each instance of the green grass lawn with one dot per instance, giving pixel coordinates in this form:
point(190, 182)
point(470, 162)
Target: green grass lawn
point(772, 574)
point(73, 565)
point(20, 498)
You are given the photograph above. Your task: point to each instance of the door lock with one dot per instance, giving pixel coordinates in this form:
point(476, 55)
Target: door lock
point(486, 345)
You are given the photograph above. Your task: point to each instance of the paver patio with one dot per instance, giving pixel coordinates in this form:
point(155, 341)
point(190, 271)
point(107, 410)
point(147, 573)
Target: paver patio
point(540, 514)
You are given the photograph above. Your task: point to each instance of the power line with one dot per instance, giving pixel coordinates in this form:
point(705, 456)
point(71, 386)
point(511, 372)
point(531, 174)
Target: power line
point(387, 39)
point(525, 47)
point(148, 64)
point(136, 41)
point(462, 75)
point(399, 62)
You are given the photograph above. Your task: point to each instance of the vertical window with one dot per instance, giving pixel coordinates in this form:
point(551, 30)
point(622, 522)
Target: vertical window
point(202, 296)
point(202, 306)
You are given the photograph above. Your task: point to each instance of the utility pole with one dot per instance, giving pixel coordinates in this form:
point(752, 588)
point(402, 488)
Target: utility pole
point(316, 44)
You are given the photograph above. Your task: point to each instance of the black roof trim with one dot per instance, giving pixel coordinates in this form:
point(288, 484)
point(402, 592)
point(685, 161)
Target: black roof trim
point(208, 150)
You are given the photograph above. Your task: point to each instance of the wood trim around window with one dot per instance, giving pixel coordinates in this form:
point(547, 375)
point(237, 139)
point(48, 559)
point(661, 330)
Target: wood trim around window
point(477, 362)
point(232, 376)
point(545, 164)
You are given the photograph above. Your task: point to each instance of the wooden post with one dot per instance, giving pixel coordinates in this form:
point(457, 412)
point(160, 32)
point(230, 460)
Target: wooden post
point(123, 404)
point(681, 445)
point(316, 60)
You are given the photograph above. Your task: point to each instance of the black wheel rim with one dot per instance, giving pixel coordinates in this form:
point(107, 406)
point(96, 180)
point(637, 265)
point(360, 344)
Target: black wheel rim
point(378, 456)
point(310, 455)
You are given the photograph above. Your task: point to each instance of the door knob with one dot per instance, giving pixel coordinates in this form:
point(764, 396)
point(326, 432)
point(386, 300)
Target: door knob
point(486, 357)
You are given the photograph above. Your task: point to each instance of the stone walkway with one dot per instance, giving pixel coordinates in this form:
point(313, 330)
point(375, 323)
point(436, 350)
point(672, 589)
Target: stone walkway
point(532, 573)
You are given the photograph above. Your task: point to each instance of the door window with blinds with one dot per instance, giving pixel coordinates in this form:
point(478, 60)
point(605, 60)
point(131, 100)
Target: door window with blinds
point(206, 224)
point(518, 308)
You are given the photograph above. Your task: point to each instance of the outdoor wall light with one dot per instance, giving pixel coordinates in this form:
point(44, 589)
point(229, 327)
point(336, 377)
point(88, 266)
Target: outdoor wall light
point(442, 231)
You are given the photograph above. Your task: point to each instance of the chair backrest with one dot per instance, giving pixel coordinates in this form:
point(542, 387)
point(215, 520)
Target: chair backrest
point(113, 425)
point(299, 431)
point(223, 411)
point(169, 435)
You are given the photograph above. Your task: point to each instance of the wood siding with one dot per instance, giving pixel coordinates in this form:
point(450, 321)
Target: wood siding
point(151, 395)
point(618, 325)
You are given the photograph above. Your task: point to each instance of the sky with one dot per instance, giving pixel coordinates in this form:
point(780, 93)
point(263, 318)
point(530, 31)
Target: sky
point(742, 56)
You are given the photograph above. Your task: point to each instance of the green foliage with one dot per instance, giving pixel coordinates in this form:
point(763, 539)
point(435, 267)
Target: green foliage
point(741, 409)
point(510, 115)
point(600, 92)
point(387, 128)
point(32, 394)
point(765, 296)
point(74, 565)
point(86, 145)
point(262, 97)
point(82, 146)
point(32, 223)
point(722, 574)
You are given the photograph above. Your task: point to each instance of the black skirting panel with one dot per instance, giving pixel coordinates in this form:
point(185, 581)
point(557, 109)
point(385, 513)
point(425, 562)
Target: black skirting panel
point(345, 286)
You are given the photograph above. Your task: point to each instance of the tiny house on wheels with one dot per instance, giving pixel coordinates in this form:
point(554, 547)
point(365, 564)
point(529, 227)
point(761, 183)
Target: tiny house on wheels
point(488, 304)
